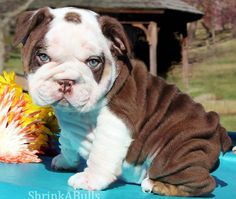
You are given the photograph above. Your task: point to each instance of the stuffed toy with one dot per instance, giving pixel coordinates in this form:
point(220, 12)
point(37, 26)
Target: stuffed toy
point(25, 129)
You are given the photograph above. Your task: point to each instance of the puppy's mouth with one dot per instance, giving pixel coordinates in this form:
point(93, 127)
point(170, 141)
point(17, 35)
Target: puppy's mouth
point(62, 102)
point(66, 104)
point(78, 99)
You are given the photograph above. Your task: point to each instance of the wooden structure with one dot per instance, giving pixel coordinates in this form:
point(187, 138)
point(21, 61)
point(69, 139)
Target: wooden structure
point(157, 28)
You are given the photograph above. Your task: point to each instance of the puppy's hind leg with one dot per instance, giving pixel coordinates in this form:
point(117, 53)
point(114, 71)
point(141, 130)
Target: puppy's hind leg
point(161, 188)
point(192, 181)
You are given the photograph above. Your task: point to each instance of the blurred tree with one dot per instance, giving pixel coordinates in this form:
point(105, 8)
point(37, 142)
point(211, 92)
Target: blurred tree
point(219, 15)
point(229, 14)
point(9, 9)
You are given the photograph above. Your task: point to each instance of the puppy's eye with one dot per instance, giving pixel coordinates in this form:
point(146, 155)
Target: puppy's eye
point(43, 57)
point(93, 62)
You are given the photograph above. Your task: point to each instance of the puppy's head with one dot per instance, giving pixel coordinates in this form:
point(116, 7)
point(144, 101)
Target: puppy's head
point(69, 55)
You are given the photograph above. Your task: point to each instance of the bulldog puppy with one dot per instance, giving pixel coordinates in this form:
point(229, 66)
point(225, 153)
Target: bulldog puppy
point(123, 121)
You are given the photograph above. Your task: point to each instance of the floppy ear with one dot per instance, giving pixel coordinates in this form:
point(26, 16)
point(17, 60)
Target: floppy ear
point(27, 22)
point(114, 31)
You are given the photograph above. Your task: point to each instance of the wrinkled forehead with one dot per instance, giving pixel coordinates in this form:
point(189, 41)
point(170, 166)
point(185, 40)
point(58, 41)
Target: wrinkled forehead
point(74, 27)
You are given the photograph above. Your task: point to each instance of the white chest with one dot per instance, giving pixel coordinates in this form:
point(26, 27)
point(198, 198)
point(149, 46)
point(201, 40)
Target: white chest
point(77, 131)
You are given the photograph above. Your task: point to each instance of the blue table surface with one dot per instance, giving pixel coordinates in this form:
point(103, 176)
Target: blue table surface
point(38, 181)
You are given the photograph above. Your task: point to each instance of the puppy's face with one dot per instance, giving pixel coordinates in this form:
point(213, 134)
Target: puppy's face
point(70, 55)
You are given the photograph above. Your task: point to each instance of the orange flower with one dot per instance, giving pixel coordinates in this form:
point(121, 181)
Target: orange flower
point(23, 131)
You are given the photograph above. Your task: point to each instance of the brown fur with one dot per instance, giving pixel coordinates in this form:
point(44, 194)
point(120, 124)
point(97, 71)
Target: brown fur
point(73, 17)
point(98, 72)
point(113, 30)
point(183, 140)
point(30, 31)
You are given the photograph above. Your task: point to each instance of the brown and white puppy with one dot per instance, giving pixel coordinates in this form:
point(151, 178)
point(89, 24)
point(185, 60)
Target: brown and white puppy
point(125, 122)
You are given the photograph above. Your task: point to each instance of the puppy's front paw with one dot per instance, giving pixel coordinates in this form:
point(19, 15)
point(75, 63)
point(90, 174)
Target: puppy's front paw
point(80, 181)
point(59, 163)
point(86, 181)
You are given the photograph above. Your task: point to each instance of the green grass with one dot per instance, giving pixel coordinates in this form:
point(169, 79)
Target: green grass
point(215, 74)
point(14, 64)
point(229, 122)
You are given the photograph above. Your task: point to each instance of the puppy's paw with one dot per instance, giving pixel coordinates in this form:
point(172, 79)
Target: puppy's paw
point(234, 149)
point(80, 181)
point(147, 185)
point(59, 163)
point(86, 181)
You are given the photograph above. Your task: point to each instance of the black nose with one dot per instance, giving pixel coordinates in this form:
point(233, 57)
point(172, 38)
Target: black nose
point(65, 85)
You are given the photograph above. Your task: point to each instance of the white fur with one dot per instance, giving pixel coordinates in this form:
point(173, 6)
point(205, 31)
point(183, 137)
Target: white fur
point(234, 149)
point(147, 185)
point(88, 128)
point(42, 88)
point(104, 147)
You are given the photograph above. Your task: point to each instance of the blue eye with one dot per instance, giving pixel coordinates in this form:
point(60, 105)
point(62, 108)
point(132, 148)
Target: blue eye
point(93, 62)
point(43, 57)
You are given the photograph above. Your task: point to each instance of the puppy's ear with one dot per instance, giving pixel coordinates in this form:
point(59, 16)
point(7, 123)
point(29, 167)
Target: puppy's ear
point(27, 22)
point(114, 31)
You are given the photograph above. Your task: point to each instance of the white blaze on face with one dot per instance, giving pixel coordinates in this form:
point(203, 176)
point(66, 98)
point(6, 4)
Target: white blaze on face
point(69, 45)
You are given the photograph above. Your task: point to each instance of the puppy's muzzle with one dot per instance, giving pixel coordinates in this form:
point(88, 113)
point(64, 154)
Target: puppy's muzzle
point(65, 85)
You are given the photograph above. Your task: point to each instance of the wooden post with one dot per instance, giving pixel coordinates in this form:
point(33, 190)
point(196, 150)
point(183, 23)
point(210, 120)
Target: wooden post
point(153, 38)
point(151, 33)
point(185, 63)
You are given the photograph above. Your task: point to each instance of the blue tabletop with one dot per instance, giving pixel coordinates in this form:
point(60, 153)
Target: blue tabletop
point(37, 181)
